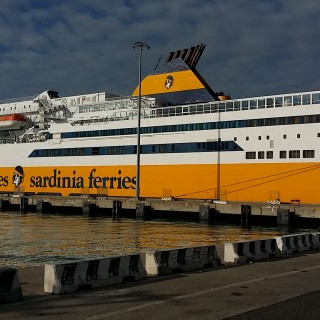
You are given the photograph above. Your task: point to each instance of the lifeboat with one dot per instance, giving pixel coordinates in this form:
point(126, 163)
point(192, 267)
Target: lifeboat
point(13, 121)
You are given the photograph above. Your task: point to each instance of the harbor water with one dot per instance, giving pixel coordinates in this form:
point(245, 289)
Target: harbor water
point(30, 239)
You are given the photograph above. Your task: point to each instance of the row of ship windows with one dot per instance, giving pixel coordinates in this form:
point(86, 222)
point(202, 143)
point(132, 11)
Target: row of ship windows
point(210, 146)
point(268, 137)
point(283, 154)
point(5, 109)
point(236, 105)
point(197, 126)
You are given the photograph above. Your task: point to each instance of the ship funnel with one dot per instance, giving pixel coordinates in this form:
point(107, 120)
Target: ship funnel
point(190, 56)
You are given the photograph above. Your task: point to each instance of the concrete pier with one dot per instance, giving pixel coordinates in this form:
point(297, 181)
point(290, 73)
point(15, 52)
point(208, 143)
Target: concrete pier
point(282, 214)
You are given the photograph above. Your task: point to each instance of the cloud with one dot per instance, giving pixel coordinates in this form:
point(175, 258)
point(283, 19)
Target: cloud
point(252, 47)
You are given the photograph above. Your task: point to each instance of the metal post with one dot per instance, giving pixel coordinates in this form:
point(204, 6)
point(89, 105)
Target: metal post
point(140, 46)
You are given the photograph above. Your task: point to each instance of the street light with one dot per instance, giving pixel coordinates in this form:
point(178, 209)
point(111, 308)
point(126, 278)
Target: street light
point(140, 45)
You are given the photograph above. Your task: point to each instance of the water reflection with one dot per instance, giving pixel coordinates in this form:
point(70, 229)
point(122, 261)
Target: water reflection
point(35, 239)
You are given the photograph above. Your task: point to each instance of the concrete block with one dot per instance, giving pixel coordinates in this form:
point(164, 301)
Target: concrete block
point(62, 278)
point(170, 261)
point(251, 250)
point(10, 288)
point(295, 243)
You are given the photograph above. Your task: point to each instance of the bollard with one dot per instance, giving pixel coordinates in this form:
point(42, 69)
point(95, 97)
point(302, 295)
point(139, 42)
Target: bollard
point(39, 206)
point(284, 217)
point(23, 204)
point(86, 208)
point(92, 209)
point(204, 213)
point(116, 208)
point(140, 210)
point(245, 213)
point(3, 205)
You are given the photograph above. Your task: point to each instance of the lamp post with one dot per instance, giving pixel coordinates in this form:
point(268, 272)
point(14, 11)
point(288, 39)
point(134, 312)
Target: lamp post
point(140, 45)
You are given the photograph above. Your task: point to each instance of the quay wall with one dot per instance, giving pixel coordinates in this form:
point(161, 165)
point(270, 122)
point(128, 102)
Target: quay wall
point(282, 213)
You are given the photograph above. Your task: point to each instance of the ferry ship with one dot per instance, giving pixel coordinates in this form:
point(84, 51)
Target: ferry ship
point(196, 143)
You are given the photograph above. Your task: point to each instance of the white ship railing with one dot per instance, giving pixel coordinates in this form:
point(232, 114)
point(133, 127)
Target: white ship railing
point(116, 104)
point(286, 100)
point(13, 100)
point(276, 101)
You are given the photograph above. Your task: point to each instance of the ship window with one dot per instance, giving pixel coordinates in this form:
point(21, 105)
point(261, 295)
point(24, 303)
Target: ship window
point(267, 137)
point(315, 98)
point(269, 102)
point(247, 138)
point(193, 110)
point(235, 139)
point(278, 101)
point(269, 154)
point(283, 154)
point(318, 134)
point(244, 105)
point(222, 107)
point(294, 154)
point(185, 109)
point(284, 136)
point(297, 100)
point(253, 104)
point(250, 155)
point(259, 138)
point(261, 103)
point(260, 154)
point(95, 151)
point(308, 153)
point(200, 109)
point(298, 135)
point(165, 112)
point(207, 108)
point(172, 111)
point(162, 148)
point(306, 99)
point(236, 105)
point(287, 101)
point(229, 106)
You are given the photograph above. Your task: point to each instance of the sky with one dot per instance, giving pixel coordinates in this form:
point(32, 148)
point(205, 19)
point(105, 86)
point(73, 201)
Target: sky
point(253, 47)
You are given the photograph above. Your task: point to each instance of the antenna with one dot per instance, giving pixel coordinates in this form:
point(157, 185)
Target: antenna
point(157, 63)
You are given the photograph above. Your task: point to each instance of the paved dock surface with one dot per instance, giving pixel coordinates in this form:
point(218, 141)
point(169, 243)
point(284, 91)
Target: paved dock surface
point(283, 288)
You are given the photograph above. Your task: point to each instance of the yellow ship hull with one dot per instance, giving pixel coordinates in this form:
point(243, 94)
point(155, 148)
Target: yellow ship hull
point(229, 182)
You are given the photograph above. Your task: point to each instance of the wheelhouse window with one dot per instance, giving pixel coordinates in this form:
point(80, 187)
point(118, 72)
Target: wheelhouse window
point(269, 154)
point(283, 154)
point(250, 155)
point(294, 154)
point(308, 153)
